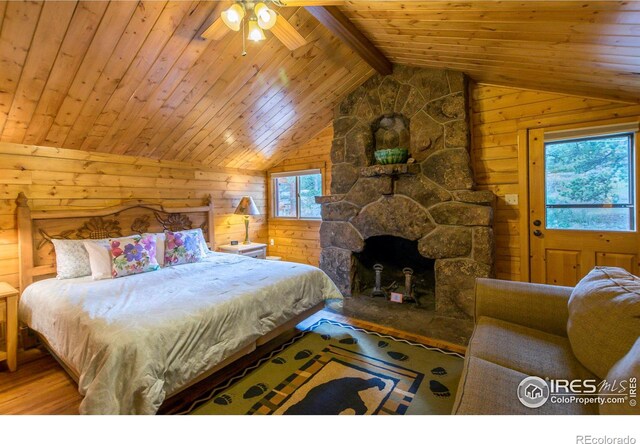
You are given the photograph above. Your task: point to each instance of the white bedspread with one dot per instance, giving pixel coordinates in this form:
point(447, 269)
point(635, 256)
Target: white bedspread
point(136, 339)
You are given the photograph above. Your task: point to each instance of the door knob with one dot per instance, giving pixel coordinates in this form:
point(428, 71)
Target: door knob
point(537, 223)
point(537, 233)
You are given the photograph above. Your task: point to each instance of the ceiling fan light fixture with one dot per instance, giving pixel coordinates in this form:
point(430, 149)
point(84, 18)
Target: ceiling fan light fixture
point(233, 16)
point(255, 33)
point(266, 17)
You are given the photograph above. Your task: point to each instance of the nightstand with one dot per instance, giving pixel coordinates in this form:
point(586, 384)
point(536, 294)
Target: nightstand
point(257, 251)
point(9, 296)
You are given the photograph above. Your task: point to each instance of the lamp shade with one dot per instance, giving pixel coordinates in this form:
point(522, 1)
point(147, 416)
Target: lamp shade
point(233, 16)
point(247, 207)
point(266, 17)
point(255, 33)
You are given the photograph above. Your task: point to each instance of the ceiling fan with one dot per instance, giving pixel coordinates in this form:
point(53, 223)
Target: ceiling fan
point(256, 17)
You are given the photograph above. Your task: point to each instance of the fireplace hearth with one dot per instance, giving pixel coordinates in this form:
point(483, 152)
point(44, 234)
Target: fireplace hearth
point(423, 214)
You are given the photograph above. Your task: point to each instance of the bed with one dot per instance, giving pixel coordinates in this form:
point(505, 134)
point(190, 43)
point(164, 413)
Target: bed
point(132, 342)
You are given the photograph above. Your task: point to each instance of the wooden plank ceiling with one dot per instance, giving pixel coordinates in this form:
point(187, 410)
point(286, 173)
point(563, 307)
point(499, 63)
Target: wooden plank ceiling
point(135, 78)
point(589, 48)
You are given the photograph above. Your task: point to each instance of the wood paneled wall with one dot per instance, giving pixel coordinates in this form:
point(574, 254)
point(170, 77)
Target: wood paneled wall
point(299, 240)
point(54, 178)
point(500, 118)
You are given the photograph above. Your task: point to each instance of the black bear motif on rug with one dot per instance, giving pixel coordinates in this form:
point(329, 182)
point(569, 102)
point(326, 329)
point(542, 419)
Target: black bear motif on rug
point(336, 396)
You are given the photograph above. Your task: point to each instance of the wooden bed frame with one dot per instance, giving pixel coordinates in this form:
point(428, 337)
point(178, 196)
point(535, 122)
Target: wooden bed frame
point(37, 228)
point(37, 255)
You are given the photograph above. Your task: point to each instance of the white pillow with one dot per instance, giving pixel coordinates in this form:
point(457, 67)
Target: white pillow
point(160, 244)
point(99, 258)
point(203, 243)
point(72, 260)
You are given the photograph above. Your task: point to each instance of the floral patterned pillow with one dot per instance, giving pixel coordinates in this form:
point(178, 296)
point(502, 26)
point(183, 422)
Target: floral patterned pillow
point(133, 255)
point(182, 247)
point(204, 249)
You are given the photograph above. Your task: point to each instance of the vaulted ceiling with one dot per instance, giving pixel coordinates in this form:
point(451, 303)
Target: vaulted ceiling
point(136, 77)
point(589, 48)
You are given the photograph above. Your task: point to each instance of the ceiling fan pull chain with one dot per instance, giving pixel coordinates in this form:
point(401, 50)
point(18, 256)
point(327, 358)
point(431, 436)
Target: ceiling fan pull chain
point(244, 48)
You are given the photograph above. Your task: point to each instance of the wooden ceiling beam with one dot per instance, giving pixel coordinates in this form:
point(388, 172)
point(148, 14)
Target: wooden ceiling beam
point(340, 25)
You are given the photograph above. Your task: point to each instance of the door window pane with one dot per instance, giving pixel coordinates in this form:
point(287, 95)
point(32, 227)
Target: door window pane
point(310, 187)
point(598, 219)
point(286, 202)
point(589, 184)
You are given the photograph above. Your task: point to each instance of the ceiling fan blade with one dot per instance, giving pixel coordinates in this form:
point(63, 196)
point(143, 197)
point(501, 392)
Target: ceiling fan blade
point(216, 31)
point(287, 34)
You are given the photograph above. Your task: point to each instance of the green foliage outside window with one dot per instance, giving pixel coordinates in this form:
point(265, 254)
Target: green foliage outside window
point(294, 196)
point(587, 181)
point(310, 187)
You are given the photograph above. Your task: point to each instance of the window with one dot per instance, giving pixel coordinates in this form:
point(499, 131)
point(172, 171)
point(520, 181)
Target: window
point(590, 182)
point(294, 194)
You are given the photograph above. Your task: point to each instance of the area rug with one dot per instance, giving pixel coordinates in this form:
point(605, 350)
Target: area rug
point(334, 368)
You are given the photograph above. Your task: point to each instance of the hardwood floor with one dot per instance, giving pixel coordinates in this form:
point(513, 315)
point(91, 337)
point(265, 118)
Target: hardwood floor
point(40, 386)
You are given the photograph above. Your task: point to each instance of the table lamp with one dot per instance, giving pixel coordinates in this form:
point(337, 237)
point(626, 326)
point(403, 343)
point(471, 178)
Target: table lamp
point(246, 208)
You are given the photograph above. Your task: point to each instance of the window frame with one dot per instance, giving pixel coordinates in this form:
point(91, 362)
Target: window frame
point(297, 174)
point(583, 135)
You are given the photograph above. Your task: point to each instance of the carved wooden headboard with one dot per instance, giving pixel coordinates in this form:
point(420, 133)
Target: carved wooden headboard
point(37, 228)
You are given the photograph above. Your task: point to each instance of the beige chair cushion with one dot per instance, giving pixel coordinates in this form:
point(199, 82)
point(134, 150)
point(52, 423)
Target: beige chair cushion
point(626, 369)
point(604, 318)
point(490, 389)
point(526, 350)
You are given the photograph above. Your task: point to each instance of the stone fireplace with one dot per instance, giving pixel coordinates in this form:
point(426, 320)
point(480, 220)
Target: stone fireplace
point(428, 202)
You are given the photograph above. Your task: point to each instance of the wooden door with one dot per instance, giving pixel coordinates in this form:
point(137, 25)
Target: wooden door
point(583, 192)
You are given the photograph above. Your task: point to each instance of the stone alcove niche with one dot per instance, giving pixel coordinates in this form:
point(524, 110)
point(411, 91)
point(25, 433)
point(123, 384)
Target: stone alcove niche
point(391, 131)
point(430, 202)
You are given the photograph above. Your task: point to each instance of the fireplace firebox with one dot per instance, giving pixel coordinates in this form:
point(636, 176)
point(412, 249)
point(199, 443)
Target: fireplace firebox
point(395, 255)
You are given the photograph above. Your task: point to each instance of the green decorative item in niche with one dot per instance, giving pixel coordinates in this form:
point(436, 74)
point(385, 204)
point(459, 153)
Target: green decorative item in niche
point(392, 155)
